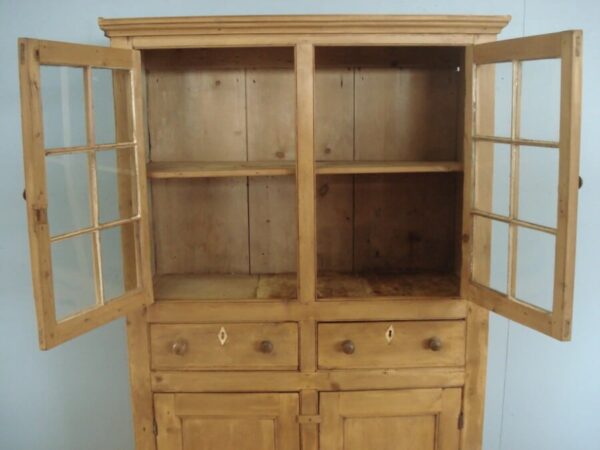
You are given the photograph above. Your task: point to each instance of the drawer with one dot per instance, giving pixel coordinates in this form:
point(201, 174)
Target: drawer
point(390, 345)
point(229, 346)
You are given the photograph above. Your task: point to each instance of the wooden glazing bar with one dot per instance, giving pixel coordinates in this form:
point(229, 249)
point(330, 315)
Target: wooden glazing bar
point(513, 231)
point(88, 148)
point(508, 220)
point(516, 141)
point(61, 237)
point(93, 185)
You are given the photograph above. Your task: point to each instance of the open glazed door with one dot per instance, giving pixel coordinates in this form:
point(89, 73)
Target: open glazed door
point(521, 178)
point(85, 185)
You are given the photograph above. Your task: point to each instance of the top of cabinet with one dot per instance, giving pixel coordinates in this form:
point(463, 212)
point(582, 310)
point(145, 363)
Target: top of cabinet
point(313, 25)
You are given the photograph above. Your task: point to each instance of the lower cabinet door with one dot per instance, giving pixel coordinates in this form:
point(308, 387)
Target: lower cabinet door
point(227, 421)
point(420, 419)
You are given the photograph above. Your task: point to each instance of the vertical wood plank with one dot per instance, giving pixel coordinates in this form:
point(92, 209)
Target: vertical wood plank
point(331, 433)
point(272, 224)
point(288, 431)
point(170, 436)
point(35, 187)
point(305, 172)
point(138, 346)
point(449, 435)
point(406, 114)
point(138, 331)
point(477, 317)
point(334, 114)
point(139, 133)
point(568, 178)
point(270, 114)
point(308, 345)
point(309, 432)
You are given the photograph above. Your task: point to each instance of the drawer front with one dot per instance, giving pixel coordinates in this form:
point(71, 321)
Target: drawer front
point(229, 346)
point(391, 345)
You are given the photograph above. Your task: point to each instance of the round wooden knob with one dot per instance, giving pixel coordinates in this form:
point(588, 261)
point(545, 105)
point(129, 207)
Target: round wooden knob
point(348, 347)
point(266, 347)
point(179, 347)
point(435, 344)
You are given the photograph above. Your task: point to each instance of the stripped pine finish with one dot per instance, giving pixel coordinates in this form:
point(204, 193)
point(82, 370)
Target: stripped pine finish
point(308, 221)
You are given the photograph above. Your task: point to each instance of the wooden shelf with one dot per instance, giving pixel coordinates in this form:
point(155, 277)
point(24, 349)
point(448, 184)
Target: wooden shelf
point(365, 286)
point(225, 287)
point(366, 167)
point(204, 169)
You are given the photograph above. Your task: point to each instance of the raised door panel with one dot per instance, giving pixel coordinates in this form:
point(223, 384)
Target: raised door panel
point(227, 421)
point(419, 419)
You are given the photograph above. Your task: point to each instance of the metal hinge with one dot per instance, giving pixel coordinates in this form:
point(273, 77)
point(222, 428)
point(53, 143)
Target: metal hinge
point(154, 428)
point(461, 420)
point(308, 419)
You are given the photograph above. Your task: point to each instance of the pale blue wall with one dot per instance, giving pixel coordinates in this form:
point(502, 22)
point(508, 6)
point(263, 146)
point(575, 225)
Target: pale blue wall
point(541, 394)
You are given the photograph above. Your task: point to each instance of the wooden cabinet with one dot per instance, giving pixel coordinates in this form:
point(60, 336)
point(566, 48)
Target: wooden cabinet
point(305, 219)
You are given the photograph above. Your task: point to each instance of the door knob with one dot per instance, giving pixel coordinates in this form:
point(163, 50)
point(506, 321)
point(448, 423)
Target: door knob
point(179, 347)
point(435, 344)
point(266, 347)
point(348, 347)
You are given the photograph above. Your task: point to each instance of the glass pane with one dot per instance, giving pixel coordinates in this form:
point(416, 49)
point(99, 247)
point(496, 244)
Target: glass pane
point(113, 269)
point(492, 177)
point(540, 99)
point(63, 106)
point(103, 101)
point(538, 185)
point(73, 275)
point(116, 174)
point(490, 253)
point(502, 101)
point(68, 192)
point(535, 267)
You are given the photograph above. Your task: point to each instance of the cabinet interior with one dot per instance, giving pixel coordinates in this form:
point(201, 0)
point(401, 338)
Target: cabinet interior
point(388, 144)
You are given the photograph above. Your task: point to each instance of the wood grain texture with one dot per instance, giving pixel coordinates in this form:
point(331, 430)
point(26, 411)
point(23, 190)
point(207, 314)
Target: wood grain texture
point(408, 347)
point(229, 421)
point(201, 225)
point(405, 420)
point(307, 24)
point(323, 381)
point(406, 114)
point(240, 351)
point(271, 114)
point(405, 223)
point(273, 225)
point(305, 172)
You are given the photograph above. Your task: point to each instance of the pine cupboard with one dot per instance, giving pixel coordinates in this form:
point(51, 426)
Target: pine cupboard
point(305, 219)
